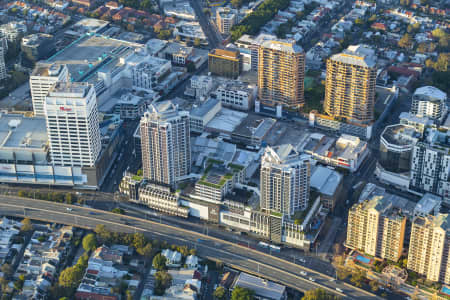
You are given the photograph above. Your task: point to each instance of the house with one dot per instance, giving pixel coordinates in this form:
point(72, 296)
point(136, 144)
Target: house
point(192, 262)
point(173, 257)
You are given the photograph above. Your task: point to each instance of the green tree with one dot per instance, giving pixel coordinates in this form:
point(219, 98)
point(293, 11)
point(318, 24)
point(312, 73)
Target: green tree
point(236, 3)
point(359, 22)
point(319, 294)
point(159, 262)
point(102, 233)
point(139, 172)
point(139, 240)
point(197, 42)
point(442, 62)
point(405, 41)
point(220, 293)
point(89, 242)
point(193, 252)
point(71, 277)
point(68, 198)
point(26, 225)
point(162, 282)
point(145, 251)
point(374, 286)
point(240, 293)
point(118, 210)
point(357, 278)
point(438, 33)
point(129, 295)
point(7, 270)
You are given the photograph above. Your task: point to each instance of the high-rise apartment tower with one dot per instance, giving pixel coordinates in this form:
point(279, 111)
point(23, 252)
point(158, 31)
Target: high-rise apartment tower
point(165, 143)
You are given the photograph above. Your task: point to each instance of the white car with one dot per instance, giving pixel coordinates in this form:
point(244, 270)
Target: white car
point(302, 260)
point(303, 273)
point(69, 209)
point(311, 279)
point(339, 290)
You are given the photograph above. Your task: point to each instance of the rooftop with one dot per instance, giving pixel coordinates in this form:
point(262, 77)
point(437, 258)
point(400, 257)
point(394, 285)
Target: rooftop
point(262, 287)
point(288, 46)
point(325, 180)
point(17, 131)
point(47, 70)
point(226, 120)
point(227, 53)
point(430, 92)
point(70, 89)
point(204, 108)
point(90, 53)
point(427, 203)
point(254, 126)
point(401, 135)
point(357, 55)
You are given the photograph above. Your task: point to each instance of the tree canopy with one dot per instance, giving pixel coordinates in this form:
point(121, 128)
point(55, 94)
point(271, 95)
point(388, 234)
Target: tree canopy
point(89, 242)
point(240, 293)
point(159, 262)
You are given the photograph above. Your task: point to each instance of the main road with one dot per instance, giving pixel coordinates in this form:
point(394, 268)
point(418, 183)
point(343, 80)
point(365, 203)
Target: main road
point(242, 258)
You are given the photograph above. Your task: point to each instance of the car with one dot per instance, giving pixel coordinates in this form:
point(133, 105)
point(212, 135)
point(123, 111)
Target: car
point(127, 223)
point(339, 290)
point(92, 213)
point(69, 209)
point(302, 260)
point(303, 273)
point(311, 279)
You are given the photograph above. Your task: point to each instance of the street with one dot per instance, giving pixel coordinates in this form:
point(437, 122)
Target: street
point(247, 259)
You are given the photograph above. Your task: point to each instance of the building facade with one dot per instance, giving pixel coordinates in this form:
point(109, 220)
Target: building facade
point(236, 95)
point(165, 143)
point(429, 247)
point(43, 77)
point(350, 85)
point(376, 228)
point(225, 19)
point(226, 63)
point(73, 125)
point(430, 168)
point(396, 145)
point(281, 73)
point(3, 51)
point(429, 102)
point(284, 180)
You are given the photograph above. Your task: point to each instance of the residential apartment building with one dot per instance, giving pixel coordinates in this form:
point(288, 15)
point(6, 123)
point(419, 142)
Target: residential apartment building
point(165, 143)
point(72, 124)
point(281, 72)
point(285, 176)
point(225, 62)
point(430, 165)
point(350, 85)
point(43, 77)
point(429, 102)
point(3, 72)
point(377, 228)
point(225, 19)
point(429, 247)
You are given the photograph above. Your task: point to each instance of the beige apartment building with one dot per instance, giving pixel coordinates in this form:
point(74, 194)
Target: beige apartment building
point(350, 85)
point(429, 247)
point(225, 19)
point(284, 179)
point(377, 228)
point(281, 73)
point(165, 143)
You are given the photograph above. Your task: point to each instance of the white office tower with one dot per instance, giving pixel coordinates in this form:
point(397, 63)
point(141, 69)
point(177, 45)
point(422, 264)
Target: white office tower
point(284, 180)
point(3, 50)
point(165, 143)
point(72, 124)
point(429, 102)
point(43, 77)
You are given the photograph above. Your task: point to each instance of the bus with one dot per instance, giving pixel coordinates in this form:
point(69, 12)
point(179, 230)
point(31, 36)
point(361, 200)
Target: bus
point(263, 245)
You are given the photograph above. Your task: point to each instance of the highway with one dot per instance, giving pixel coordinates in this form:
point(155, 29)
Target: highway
point(243, 258)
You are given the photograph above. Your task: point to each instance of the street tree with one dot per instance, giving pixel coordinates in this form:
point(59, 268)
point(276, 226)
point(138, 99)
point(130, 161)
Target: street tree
point(159, 262)
point(89, 242)
point(240, 293)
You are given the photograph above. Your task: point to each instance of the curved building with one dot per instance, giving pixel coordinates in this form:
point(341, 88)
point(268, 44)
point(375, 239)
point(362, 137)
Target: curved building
point(396, 144)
